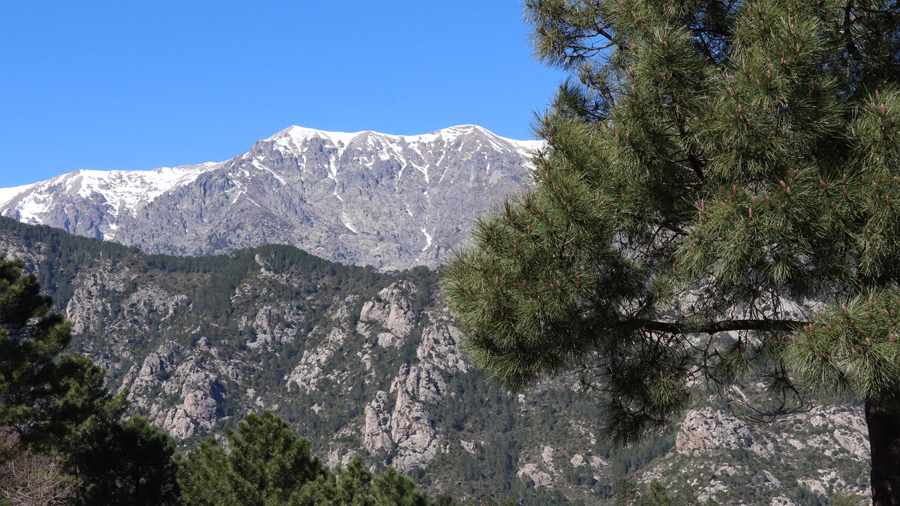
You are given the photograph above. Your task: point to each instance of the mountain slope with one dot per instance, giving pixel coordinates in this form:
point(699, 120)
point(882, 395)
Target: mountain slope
point(360, 361)
point(366, 198)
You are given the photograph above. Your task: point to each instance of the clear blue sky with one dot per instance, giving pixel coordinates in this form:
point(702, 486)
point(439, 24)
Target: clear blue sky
point(135, 85)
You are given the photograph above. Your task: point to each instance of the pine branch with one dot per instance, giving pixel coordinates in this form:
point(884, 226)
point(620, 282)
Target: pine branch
point(718, 326)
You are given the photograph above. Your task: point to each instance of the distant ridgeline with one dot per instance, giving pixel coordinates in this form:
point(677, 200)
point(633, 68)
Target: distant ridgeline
point(57, 258)
point(364, 362)
point(366, 198)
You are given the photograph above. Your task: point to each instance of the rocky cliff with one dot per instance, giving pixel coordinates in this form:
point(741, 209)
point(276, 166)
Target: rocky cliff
point(367, 198)
point(364, 362)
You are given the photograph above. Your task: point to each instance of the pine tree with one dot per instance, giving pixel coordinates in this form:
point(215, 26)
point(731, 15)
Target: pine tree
point(126, 464)
point(717, 197)
point(30, 341)
point(656, 496)
point(354, 484)
point(204, 477)
point(627, 493)
point(395, 489)
point(266, 465)
point(47, 399)
point(57, 404)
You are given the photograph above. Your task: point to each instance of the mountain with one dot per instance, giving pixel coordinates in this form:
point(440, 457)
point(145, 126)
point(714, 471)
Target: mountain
point(365, 198)
point(366, 362)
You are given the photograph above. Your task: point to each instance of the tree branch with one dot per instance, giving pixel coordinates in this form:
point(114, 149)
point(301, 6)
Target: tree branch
point(716, 327)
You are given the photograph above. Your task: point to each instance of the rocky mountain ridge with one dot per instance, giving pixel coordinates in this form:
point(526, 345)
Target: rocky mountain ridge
point(363, 362)
point(365, 198)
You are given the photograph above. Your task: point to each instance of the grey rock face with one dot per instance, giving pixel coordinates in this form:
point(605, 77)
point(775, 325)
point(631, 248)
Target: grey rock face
point(372, 369)
point(809, 444)
point(311, 367)
point(376, 433)
point(392, 312)
point(412, 427)
point(706, 429)
point(190, 378)
point(398, 421)
point(392, 202)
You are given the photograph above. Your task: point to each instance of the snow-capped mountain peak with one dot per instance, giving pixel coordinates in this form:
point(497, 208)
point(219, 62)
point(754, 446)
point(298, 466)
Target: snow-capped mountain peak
point(298, 135)
point(392, 201)
point(120, 190)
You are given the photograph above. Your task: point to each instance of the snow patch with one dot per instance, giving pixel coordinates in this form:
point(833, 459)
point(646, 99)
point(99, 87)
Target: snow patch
point(260, 166)
point(300, 134)
point(347, 223)
point(9, 194)
point(32, 206)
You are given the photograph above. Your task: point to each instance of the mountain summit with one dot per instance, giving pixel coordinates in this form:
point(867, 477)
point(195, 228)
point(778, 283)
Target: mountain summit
point(363, 198)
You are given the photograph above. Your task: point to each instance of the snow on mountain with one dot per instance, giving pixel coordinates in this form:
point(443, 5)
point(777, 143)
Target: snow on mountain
point(120, 190)
point(294, 136)
point(392, 201)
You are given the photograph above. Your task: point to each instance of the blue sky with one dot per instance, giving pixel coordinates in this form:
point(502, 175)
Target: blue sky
point(136, 85)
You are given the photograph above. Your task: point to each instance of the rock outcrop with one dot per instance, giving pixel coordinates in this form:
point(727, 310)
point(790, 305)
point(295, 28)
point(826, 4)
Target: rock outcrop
point(787, 453)
point(362, 362)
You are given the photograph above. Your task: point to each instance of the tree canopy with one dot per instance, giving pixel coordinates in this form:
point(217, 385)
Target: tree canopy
point(30, 340)
point(268, 465)
point(58, 424)
point(717, 198)
point(47, 400)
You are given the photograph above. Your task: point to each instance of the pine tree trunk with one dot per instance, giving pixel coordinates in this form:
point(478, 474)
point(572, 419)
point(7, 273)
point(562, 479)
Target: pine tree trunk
point(883, 419)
